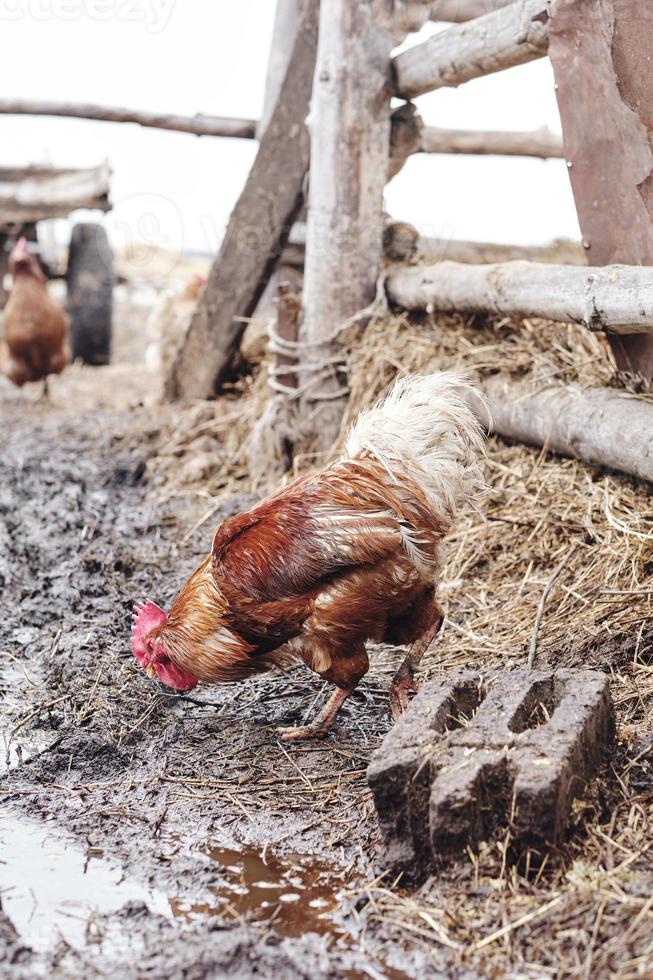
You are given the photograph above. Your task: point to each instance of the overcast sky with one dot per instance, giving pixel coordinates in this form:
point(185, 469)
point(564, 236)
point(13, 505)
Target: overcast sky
point(192, 56)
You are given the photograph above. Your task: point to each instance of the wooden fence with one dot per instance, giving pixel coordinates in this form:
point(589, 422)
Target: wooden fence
point(337, 59)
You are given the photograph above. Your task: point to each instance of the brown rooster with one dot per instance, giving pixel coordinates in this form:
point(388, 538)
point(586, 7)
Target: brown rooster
point(35, 327)
point(345, 555)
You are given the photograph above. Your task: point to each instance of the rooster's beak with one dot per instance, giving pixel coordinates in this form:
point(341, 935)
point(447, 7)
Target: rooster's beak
point(150, 671)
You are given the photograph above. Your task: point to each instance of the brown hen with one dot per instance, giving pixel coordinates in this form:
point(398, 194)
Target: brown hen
point(339, 557)
point(35, 327)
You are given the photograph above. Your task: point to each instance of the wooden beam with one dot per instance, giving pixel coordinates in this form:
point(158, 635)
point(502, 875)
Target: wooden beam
point(617, 298)
point(411, 15)
point(460, 11)
point(600, 426)
point(257, 230)
point(430, 250)
point(503, 39)
point(350, 151)
point(286, 20)
point(601, 57)
point(198, 125)
point(541, 143)
point(559, 252)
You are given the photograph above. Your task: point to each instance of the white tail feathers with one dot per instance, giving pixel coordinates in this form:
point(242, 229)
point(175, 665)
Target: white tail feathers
point(424, 430)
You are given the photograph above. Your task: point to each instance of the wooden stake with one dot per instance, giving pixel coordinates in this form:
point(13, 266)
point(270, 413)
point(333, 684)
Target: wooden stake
point(284, 32)
point(350, 148)
point(257, 231)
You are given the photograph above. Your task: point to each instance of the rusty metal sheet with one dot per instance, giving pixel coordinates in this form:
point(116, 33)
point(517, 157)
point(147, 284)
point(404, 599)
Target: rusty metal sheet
point(602, 57)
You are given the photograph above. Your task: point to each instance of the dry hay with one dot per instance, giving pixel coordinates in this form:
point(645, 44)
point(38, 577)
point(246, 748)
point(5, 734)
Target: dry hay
point(588, 910)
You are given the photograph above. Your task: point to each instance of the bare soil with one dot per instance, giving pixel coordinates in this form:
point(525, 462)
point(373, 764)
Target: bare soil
point(260, 851)
point(150, 834)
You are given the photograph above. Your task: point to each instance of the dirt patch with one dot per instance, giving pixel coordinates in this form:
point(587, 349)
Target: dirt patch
point(189, 798)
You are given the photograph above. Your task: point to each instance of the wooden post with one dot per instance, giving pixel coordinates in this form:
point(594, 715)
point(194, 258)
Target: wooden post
point(288, 308)
point(272, 439)
point(257, 231)
point(350, 149)
point(601, 55)
point(4, 269)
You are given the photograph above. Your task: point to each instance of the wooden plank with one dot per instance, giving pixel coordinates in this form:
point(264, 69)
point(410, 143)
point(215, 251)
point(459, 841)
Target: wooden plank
point(503, 39)
point(618, 297)
point(198, 125)
point(601, 55)
point(350, 152)
point(257, 230)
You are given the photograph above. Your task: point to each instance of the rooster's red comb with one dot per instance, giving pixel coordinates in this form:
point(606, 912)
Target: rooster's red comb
point(146, 616)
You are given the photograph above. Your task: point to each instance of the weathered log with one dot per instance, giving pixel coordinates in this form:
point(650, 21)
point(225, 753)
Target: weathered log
point(406, 128)
point(411, 15)
point(400, 241)
point(284, 31)
point(431, 250)
point(198, 125)
point(541, 143)
point(600, 426)
point(350, 150)
point(507, 37)
point(617, 297)
point(601, 57)
point(459, 11)
point(257, 230)
point(559, 252)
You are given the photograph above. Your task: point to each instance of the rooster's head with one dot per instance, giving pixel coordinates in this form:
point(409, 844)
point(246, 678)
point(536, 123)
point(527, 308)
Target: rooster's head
point(149, 649)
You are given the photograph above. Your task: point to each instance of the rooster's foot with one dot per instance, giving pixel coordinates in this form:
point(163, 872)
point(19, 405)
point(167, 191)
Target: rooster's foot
point(400, 691)
point(321, 725)
point(301, 733)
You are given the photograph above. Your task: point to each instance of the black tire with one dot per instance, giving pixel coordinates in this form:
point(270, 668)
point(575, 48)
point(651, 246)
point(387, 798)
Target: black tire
point(90, 280)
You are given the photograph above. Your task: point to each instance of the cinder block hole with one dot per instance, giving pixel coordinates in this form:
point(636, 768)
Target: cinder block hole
point(538, 705)
point(463, 705)
point(494, 793)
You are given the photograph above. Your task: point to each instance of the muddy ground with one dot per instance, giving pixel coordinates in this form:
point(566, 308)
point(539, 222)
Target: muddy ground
point(148, 834)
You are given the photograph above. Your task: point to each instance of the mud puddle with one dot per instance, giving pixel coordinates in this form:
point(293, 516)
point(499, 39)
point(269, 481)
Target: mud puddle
point(291, 896)
point(51, 888)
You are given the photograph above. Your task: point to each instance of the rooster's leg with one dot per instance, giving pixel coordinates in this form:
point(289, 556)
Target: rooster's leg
point(321, 724)
point(403, 683)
